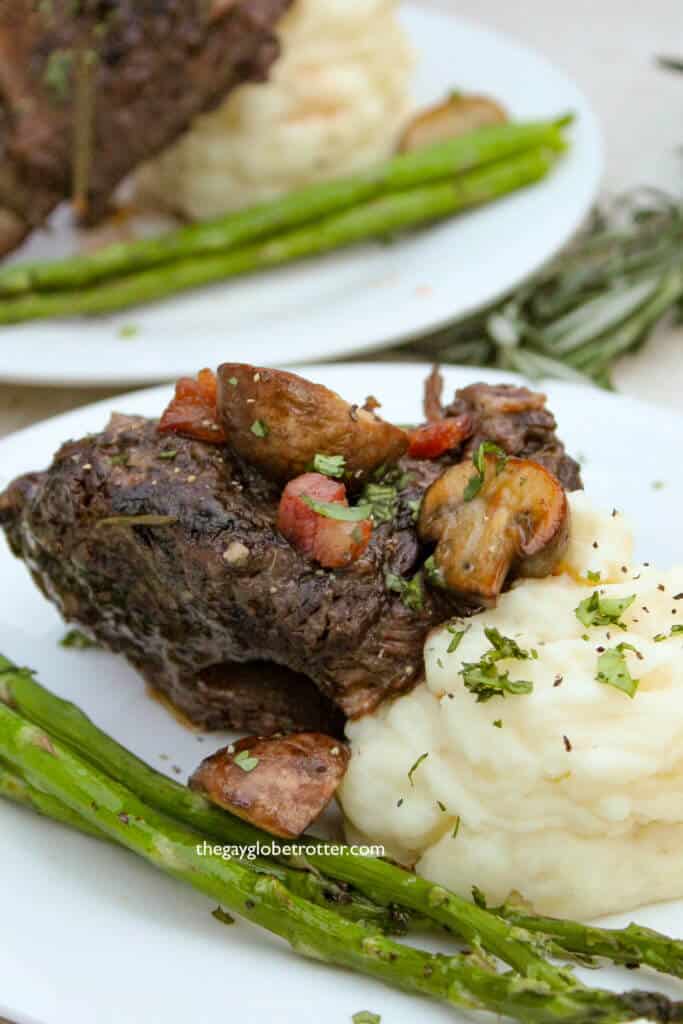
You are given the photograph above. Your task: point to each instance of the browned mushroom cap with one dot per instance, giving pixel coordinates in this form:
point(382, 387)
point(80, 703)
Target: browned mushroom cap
point(281, 784)
point(457, 115)
point(280, 422)
point(517, 523)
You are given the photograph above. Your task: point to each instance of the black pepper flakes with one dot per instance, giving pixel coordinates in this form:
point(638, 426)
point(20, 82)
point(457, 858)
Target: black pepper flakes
point(567, 744)
point(558, 680)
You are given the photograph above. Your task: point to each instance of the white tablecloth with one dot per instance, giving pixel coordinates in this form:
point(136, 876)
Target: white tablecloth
point(608, 47)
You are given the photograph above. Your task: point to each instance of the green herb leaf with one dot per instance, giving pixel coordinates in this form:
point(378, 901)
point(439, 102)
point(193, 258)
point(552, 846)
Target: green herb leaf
point(329, 465)
point(232, 381)
point(411, 591)
point(415, 506)
point(223, 916)
point(457, 635)
point(147, 520)
point(441, 805)
point(456, 828)
point(78, 641)
point(593, 577)
point(120, 460)
point(476, 482)
point(244, 761)
point(129, 331)
point(421, 758)
point(484, 679)
point(498, 724)
point(169, 454)
point(335, 510)
point(260, 428)
point(365, 1017)
point(675, 631)
point(613, 671)
point(382, 500)
point(433, 574)
point(603, 611)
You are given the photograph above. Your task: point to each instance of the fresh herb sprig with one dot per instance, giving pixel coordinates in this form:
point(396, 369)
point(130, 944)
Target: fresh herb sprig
point(484, 678)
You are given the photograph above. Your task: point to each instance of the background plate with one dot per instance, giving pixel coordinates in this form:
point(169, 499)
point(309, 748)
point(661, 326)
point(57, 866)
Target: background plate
point(92, 933)
point(365, 297)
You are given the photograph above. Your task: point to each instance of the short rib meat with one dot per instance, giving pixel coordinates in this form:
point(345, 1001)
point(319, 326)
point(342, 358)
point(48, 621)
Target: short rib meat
point(208, 581)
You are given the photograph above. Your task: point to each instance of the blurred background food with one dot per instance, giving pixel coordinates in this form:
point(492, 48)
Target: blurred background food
point(336, 102)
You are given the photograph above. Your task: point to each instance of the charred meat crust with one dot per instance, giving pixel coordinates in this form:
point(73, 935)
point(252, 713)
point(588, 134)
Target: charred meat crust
point(215, 582)
point(157, 64)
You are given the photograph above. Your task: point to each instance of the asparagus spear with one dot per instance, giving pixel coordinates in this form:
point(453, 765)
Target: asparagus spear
point(311, 931)
point(633, 945)
point(432, 163)
point(16, 789)
point(380, 880)
point(383, 883)
point(377, 218)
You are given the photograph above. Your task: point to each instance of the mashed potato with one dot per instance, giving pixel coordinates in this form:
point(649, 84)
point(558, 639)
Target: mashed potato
point(336, 101)
point(571, 795)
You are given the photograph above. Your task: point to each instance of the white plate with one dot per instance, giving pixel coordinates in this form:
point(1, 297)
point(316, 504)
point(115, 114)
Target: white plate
point(91, 933)
point(362, 298)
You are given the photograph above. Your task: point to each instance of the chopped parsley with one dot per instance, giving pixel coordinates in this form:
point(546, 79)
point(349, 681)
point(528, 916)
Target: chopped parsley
point(456, 828)
point(498, 724)
point(169, 454)
point(260, 429)
point(483, 677)
point(335, 510)
point(415, 506)
point(476, 482)
point(421, 758)
point(57, 76)
point(245, 761)
point(593, 577)
point(366, 1017)
point(129, 331)
point(457, 635)
point(411, 591)
point(675, 631)
point(433, 573)
point(613, 671)
point(77, 641)
point(329, 465)
point(232, 381)
point(382, 500)
point(223, 916)
point(603, 611)
point(441, 805)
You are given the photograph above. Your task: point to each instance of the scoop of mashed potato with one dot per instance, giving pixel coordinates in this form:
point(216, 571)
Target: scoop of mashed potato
point(571, 795)
point(336, 101)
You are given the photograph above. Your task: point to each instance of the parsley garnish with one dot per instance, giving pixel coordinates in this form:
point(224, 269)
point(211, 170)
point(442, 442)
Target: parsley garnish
point(245, 761)
point(603, 611)
point(329, 465)
point(366, 1017)
point(441, 805)
point(498, 724)
point(476, 482)
point(411, 591)
point(169, 454)
point(223, 916)
point(260, 428)
point(415, 506)
point(483, 677)
point(675, 631)
point(593, 577)
point(335, 510)
point(421, 758)
point(457, 635)
point(613, 671)
point(382, 499)
point(77, 641)
point(456, 828)
point(433, 573)
point(232, 381)
point(129, 331)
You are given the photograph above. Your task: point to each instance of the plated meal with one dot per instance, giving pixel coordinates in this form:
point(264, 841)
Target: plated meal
point(322, 127)
point(429, 622)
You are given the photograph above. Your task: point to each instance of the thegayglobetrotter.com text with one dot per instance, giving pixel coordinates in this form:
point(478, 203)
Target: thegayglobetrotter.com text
point(275, 848)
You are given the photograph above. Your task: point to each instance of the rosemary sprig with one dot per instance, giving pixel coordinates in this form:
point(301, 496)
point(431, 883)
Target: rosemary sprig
point(600, 298)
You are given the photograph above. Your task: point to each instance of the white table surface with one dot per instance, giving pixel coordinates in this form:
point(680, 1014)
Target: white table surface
point(608, 47)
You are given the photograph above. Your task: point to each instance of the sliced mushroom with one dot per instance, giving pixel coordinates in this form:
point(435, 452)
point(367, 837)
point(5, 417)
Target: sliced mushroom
point(516, 524)
point(281, 784)
point(457, 115)
point(280, 422)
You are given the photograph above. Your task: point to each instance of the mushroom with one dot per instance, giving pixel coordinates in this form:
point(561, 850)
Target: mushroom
point(456, 115)
point(504, 516)
point(281, 784)
point(280, 422)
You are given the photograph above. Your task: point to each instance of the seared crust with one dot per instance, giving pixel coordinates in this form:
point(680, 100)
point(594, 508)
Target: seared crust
point(300, 419)
point(281, 784)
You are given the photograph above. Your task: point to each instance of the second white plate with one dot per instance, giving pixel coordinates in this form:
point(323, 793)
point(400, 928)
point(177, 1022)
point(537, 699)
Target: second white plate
point(367, 296)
